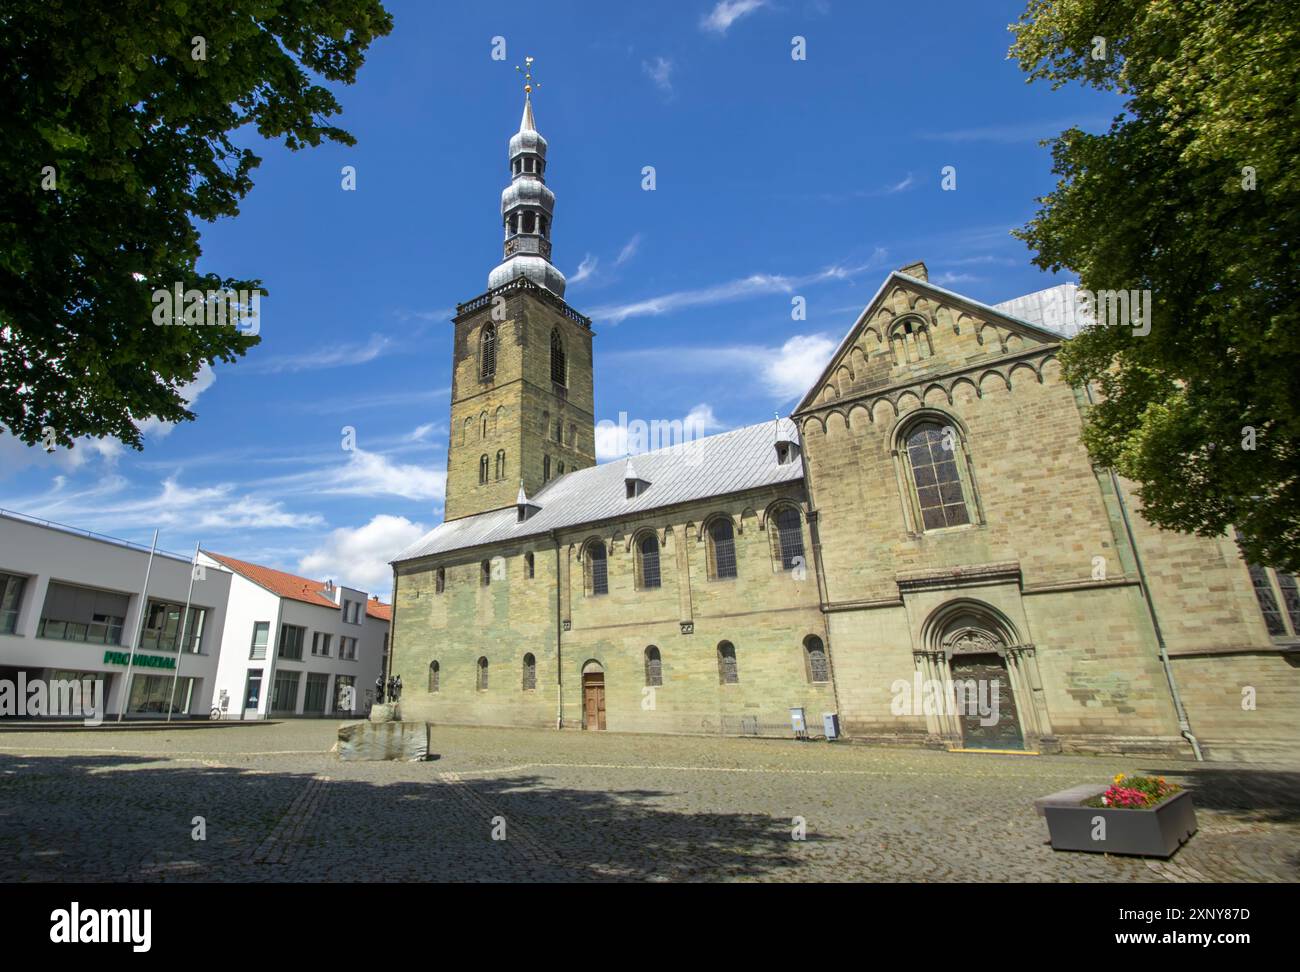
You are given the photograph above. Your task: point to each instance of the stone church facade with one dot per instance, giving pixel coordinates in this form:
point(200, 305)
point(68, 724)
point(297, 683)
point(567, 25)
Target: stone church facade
point(921, 548)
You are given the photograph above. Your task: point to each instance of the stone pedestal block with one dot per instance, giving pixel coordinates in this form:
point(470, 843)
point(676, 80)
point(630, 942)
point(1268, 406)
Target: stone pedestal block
point(385, 712)
point(384, 740)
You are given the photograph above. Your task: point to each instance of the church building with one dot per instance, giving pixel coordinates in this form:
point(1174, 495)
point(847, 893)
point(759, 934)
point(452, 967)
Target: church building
point(921, 549)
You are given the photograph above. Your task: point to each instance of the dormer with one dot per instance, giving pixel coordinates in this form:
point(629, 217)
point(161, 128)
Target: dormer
point(633, 483)
point(786, 452)
point(524, 507)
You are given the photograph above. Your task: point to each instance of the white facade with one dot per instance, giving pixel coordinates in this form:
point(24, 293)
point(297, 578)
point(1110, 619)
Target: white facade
point(70, 607)
point(273, 640)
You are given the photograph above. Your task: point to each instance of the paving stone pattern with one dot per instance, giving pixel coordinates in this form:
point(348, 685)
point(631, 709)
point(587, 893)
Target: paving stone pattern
point(120, 805)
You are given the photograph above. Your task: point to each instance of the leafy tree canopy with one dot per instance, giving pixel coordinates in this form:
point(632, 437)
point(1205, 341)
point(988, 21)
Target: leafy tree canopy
point(1194, 195)
point(116, 136)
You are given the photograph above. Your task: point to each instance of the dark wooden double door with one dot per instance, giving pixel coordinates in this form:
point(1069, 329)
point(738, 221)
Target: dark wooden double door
point(987, 671)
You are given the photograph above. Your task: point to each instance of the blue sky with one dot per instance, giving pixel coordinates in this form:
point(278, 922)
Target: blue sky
point(774, 178)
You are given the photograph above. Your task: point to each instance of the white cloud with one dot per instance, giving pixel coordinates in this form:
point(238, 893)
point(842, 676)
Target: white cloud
point(901, 186)
point(333, 356)
point(754, 285)
point(585, 269)
point(422, 432)
point(660, 71)
point(727, 12)
point(791, 370)
point(629, 250)
point(374, 474)
point(360, 557)
point(190, 391)
point(634, 434)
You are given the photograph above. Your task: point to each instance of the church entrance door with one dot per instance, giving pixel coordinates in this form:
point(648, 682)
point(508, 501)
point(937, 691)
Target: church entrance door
point(986, 704)
point(593, 700)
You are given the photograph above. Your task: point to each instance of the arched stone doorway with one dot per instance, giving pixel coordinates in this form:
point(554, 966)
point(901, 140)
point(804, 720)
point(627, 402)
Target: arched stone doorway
point(593, 695)
point(988, 689)
point(983, 698)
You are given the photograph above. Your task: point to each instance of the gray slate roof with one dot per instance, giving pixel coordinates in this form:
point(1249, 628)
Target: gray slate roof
point(730, 462)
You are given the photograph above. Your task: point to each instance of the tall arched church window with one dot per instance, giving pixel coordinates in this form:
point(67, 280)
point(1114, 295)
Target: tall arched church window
point(482, 469)
point(819, 670)
point(501, 463)
point(728, 672)
point(434, 674)
point(530, 673)
point(938, 470)
point(487, 355)
point(559, 366)
point(787, 527)
point(654, 666)
point(597, 568)
point(647, 571)
point(722, 548)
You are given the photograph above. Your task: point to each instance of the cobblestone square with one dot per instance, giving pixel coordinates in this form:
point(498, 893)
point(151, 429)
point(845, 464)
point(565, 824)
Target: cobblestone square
point(278, 805)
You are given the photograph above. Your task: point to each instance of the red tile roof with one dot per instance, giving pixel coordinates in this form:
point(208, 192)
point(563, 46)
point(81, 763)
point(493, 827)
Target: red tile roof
point(295, 588)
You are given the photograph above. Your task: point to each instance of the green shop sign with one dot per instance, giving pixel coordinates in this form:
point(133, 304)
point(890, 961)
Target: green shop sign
point(141, 661)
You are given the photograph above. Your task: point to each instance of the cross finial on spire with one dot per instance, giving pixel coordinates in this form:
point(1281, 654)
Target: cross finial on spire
point(527, 72)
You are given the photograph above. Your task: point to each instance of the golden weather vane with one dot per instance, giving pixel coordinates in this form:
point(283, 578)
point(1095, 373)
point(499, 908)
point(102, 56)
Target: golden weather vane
point(527, 72)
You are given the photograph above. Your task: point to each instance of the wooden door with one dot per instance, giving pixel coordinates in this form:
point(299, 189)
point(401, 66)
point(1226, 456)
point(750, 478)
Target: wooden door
point(593, 700)
point(994, 723)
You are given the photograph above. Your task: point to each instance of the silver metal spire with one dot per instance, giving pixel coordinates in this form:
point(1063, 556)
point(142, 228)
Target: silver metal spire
point(527, 206)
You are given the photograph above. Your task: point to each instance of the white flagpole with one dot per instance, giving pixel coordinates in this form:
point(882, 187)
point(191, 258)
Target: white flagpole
point(139, 629)
point(185, 617)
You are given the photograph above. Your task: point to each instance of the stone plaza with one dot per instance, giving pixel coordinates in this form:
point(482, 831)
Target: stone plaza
point(519, 805)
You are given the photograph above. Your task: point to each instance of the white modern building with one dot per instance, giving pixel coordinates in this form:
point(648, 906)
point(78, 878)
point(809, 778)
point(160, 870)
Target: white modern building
point(297, 646)
point(72, 602)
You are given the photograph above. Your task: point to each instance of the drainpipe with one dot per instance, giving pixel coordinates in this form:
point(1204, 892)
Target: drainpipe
point(559, 631)
point(1184, 727)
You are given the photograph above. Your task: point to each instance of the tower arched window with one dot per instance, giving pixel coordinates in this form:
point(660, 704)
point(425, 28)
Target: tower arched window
point(647, 562)
point(435, 672)
point(815, 663)
point(482, 426)
point(728, 673)
point(938, 471)
point(530, 672)
point(559, 366)
point(654, 666)
point(481, 682)
point(482, 469)
point(440, 580)
point(487, 355)
point(559, 430)
point(546, 469)
point(501, 463)
point(597, 568)
point(722, 548)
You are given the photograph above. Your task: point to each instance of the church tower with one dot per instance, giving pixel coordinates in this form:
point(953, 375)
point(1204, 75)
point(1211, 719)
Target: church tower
point(521, 392)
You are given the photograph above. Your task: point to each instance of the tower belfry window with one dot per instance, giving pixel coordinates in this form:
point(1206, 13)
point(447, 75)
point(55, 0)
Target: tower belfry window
point(559, 369)
point(488, 352)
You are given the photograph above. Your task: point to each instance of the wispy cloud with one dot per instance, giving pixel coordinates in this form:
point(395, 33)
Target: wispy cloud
point(902, 186)
point(629, 250)
point(727, 12)
point(585, 269)
point(359, 403)
point(1014, 132)
point(752, 286)
point(329, 356)
point(660, 71)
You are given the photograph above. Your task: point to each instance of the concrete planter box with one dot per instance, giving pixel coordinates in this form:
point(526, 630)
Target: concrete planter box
point(1154, 832)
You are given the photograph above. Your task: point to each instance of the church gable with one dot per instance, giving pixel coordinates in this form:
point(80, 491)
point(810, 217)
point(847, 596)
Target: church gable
point(913, 331)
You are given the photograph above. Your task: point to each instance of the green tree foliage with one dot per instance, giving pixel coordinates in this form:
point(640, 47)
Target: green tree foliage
point(1193, 194)
point(137, 129)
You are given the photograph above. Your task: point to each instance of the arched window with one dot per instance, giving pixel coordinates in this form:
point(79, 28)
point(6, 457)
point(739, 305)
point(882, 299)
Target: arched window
point(559, 430)
point(559, 368)
point(546, 469)
point(654, 666)
point(528, 565)
point(935, 455)
point(573, 433)
point(485, 572)
point(482, 679)
point(501, 463)
point(910, 340)
point(483, 469)
point(482, 428)
point(597, 568)
point(788, 534)
point(441, 580)
point(728, 674)
point(559, 469)
point(487, 352)
point(530, 672)
point(819, 670)
point(722, 548)
point(647, 557)
point(434, 672)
